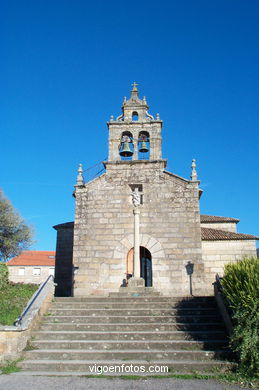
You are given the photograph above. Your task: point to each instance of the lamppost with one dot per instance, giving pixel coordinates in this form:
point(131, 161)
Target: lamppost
point(189, 269)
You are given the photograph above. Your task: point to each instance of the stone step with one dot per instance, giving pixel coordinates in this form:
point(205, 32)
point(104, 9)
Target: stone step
point(192, 319)
point(106, 345)
point(120, 299)
point(134, 305)
point(130, 312)
point(126, 354)
point(186, 334)
point(122, 367)
point(141, 326)
point(135, 292)
point(133, 335)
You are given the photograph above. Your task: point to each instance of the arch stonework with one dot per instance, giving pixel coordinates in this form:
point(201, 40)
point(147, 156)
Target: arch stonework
point(157, 252)
point(145, 240)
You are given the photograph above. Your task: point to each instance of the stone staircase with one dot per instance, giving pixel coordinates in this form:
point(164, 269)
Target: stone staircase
point(82, 336)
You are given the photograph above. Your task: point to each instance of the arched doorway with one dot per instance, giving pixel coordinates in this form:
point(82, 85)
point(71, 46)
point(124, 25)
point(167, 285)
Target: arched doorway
point(145, 265)
point(130, 267)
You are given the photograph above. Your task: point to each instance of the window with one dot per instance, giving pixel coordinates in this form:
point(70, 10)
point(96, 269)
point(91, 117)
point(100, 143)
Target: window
point(126, 147)
point(21, 271)
point(143, 146)
point(51, 271)
point(36, 271)
point(135, 116)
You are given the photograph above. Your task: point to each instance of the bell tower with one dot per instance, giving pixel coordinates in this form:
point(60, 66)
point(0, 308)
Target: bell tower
point(135, 134)
point(136, 224)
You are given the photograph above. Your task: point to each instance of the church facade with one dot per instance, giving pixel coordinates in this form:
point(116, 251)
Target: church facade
point(137, 220)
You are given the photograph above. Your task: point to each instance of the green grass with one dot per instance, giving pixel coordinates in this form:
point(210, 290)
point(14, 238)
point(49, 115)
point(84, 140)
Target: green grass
point(9, 367)
point(227, 378)
point(13, 299)
point(231, 376)
point(29, 346)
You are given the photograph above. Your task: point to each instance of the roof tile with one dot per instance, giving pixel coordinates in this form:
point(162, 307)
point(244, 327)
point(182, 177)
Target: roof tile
point(214, 218)
point(208, 234)
point(34, 258)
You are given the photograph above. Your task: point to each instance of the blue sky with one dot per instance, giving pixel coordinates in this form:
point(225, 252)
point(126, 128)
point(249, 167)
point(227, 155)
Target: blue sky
point(66, 66)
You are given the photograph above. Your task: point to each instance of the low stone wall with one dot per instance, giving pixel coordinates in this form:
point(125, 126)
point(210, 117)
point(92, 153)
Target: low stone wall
point(223, 309)
point(13, 339)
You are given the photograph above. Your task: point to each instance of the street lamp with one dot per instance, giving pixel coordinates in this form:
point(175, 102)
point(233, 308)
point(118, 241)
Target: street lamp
point(189, 269)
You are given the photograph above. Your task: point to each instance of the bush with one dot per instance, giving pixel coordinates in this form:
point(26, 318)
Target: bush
point(3, 275)
point(241, 288)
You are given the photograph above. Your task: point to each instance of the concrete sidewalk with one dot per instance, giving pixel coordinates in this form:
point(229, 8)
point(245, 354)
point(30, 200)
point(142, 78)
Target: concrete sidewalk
point(20, 382)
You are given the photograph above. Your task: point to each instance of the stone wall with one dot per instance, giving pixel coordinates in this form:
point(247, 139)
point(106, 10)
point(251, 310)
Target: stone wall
point(216, 254)
point(116, 130)
point(228, 226)
point(169, 228)
point(13, 339)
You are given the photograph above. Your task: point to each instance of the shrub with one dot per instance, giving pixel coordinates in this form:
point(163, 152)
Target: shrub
point(241, 288)
point(3, 275)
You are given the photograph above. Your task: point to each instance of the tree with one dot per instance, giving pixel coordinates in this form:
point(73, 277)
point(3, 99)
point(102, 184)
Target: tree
point(15, 235)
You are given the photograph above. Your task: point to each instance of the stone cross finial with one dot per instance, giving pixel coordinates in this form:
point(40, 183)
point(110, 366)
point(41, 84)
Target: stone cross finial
point(194, 176)
point(80, 179)
point(134, 85)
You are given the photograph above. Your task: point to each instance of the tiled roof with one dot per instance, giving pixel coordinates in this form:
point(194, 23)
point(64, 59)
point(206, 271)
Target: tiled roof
point(214, 218)
point(34, 258)
point(208, 234)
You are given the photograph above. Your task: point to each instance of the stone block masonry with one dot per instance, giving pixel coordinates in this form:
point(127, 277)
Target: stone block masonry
point(169, 218)
point(104, 225)
point(13, 339)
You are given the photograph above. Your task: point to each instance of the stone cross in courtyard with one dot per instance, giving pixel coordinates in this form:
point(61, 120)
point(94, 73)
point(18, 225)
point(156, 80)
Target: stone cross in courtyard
point(136, 200)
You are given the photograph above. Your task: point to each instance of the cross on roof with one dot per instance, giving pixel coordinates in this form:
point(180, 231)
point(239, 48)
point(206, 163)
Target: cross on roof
point(134, 85)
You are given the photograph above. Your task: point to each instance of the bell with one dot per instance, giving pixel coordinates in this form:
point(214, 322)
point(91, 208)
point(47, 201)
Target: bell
point(143, 147)
point(126, 151)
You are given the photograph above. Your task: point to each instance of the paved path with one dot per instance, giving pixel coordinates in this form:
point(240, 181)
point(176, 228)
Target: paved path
point(19, 382)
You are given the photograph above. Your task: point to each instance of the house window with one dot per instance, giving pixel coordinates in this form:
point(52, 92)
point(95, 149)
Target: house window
point(21, 271)
point(51, 271)
point(36, 271)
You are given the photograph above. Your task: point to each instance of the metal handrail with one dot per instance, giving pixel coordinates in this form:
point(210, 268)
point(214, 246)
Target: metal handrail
point(27, 308)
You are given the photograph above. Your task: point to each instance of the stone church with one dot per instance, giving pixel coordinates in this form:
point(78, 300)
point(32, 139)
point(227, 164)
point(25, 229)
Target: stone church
point(138, 225)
